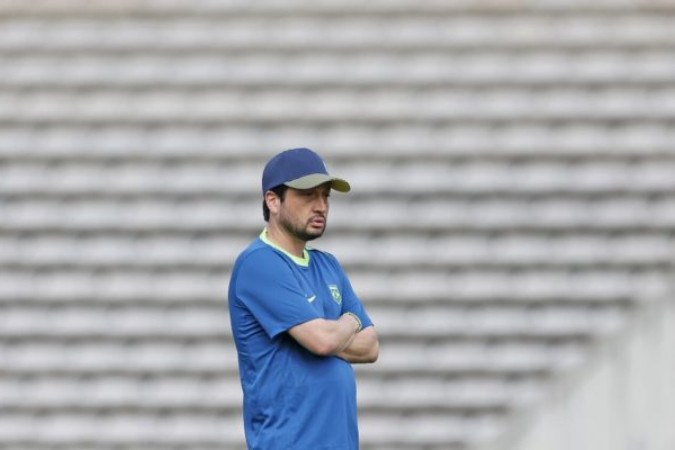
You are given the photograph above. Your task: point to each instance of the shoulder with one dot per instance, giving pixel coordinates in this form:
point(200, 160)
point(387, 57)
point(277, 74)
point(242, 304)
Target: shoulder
point(258, 259)
point(322, 254)
point(259, 265)
point(257, 253)
point(325, 257)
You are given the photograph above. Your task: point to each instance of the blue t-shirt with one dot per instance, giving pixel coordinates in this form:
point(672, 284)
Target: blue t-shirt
point(293, 399)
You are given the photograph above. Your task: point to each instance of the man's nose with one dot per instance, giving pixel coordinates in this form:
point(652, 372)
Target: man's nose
point(321, 203)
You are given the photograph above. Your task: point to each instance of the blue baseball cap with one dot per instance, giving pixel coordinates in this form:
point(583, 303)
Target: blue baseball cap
point(299, 168)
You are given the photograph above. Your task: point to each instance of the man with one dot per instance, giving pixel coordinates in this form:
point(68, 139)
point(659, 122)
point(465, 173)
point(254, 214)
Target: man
point(296, 321)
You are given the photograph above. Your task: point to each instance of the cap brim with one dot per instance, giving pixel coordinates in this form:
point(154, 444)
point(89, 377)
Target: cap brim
point(315, 179)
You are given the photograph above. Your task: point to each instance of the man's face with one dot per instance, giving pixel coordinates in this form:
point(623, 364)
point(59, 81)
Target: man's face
point(304, 212)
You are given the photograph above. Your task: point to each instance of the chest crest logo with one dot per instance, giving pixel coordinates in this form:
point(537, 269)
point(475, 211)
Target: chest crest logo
point(335, 293)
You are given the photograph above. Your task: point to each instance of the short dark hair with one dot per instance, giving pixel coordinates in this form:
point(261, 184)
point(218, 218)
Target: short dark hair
point(280, 191)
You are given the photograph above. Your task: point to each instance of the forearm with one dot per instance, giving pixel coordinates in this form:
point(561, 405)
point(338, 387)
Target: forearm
point(364, 347)
point(326, 337)
point(347, 328)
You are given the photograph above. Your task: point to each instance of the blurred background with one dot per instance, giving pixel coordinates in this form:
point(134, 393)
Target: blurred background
point(510, 229)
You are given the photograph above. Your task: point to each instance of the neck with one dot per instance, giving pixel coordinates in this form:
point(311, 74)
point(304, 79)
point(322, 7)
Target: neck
point(281, 238)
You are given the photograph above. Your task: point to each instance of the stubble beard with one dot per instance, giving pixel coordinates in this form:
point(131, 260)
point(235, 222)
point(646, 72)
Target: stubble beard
point(301, 233)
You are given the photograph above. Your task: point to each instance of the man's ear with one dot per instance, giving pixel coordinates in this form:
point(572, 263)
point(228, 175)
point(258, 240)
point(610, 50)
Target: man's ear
point(272, 200)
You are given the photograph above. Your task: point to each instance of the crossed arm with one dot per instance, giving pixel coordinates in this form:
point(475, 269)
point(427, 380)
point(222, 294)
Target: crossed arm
point(363, 348)
point(340, 338)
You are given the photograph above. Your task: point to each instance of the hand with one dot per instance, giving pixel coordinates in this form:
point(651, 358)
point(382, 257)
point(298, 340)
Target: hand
point(356, 319)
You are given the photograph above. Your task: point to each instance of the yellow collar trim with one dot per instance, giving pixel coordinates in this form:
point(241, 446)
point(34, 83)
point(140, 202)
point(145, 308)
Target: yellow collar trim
point(304, 261)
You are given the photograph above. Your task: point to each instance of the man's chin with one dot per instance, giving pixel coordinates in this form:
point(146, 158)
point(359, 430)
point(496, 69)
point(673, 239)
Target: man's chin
point(312, 234)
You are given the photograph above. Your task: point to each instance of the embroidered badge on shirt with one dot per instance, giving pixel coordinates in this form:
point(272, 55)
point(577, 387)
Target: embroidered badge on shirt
point(335, 293)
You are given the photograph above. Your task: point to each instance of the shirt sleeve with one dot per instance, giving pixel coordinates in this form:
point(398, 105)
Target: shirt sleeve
point(268, 287)
point(350, 301)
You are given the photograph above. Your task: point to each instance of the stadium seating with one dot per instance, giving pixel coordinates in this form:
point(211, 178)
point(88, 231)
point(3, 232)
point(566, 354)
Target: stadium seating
point(513, 203)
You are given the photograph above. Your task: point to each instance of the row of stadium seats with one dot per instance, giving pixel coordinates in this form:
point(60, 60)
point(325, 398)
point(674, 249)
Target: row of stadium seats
point(164, 358)
point(399, 32)
point(578, 215)
point(432, 321)
point(371, 178)
point(413, 287)
point(580, 142)
point(398, 250)
point(533, 68)
point(373, 106)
